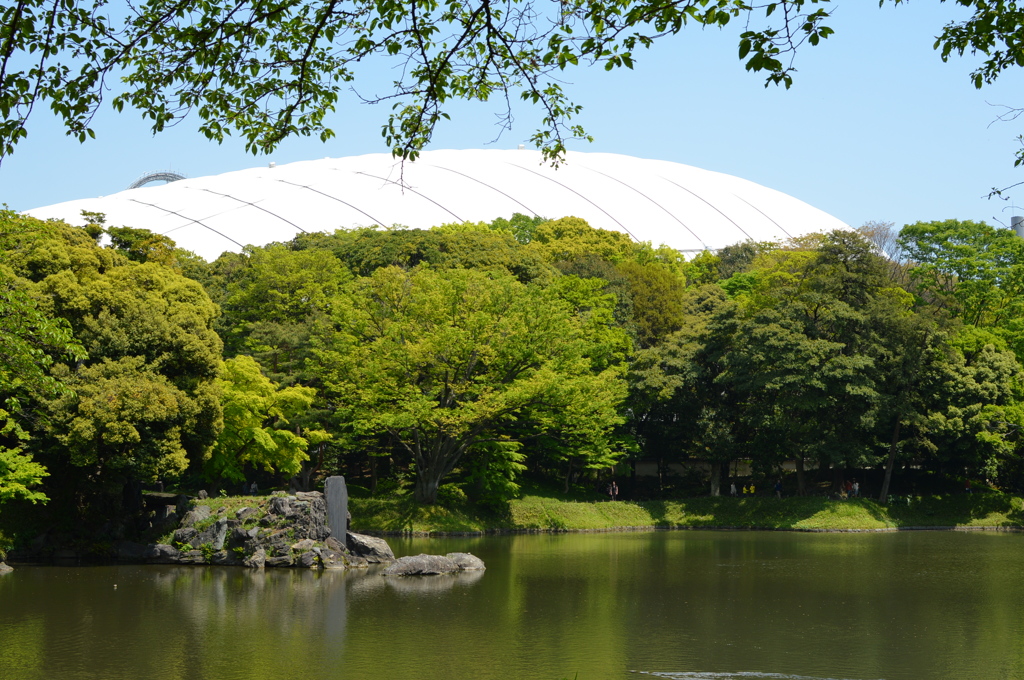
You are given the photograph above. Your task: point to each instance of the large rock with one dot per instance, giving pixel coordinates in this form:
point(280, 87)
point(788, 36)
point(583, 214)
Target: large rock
point(466, 561)
point(244, 513)
point(161, 553)
point(214, 535)
point(435, 564)
point(332, 559)
point(309, 516)
point(4, 569)
point(425, 565)
point(280, 561)
point(240, 538)
point(421, 565)
point(336, 497)
point(185, 535)
point(257, 560)
point(278, 543)
point(280, 505)
point(375, 550)
point(303, 545)
point(196, 514)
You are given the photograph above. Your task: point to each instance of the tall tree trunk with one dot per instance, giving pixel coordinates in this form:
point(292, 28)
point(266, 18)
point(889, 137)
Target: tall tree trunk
point(568, 475)
point(716, 479)
point(889, 464)
point(801, 479)
point(373, 474)
point(427, 484)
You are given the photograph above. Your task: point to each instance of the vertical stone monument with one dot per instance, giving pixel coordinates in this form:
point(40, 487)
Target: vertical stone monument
point(336, 496)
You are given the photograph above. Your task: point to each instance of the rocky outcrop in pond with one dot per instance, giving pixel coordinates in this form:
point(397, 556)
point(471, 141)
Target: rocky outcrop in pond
point(4, 569)
point(256, 532)
point(277, 531)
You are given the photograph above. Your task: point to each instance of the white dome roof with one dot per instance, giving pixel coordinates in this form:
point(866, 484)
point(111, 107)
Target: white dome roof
point(658, 201)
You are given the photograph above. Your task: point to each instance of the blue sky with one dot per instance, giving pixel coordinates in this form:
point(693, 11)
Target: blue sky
point(876, 126)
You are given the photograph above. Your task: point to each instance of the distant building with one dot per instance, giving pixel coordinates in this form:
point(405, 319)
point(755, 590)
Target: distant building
point(658, 201)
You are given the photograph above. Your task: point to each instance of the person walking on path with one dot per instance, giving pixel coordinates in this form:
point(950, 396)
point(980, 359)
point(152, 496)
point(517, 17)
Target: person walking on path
point(613, 491)
point(732, 489)
point(778, 488)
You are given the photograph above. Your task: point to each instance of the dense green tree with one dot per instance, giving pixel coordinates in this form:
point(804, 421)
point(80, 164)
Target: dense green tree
point(949, 403)
point(124, 420)
point(648, 282)
point(909, 368)
point(273, 301)
point(257, 416)
point(456, 363)
point(980, 394)
point(677, 411)
point(972, 269)
point(812, 359)
point(29, 343)
point(614, 282)
point(144, 402)
point(141, 245)
point(656, 293)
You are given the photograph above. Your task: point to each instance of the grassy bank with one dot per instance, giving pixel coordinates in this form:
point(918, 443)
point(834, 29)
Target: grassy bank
point(797, 514)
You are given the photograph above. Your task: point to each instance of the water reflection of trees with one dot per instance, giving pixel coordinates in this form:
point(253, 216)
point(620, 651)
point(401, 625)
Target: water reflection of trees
point(235, 620)
point(902, 605)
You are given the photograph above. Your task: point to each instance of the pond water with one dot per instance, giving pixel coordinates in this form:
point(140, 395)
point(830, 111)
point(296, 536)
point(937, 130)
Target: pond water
point(897, 606)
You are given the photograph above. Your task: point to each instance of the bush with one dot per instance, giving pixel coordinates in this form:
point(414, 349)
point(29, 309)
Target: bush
point(451, 494)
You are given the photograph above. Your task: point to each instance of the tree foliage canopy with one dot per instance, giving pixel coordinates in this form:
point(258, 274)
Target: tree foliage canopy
point(270, 69)
point(257, 416)
point(30, 341)
point(815, 353)
point(475, 356)
point(143, 402)
point(457, 362)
